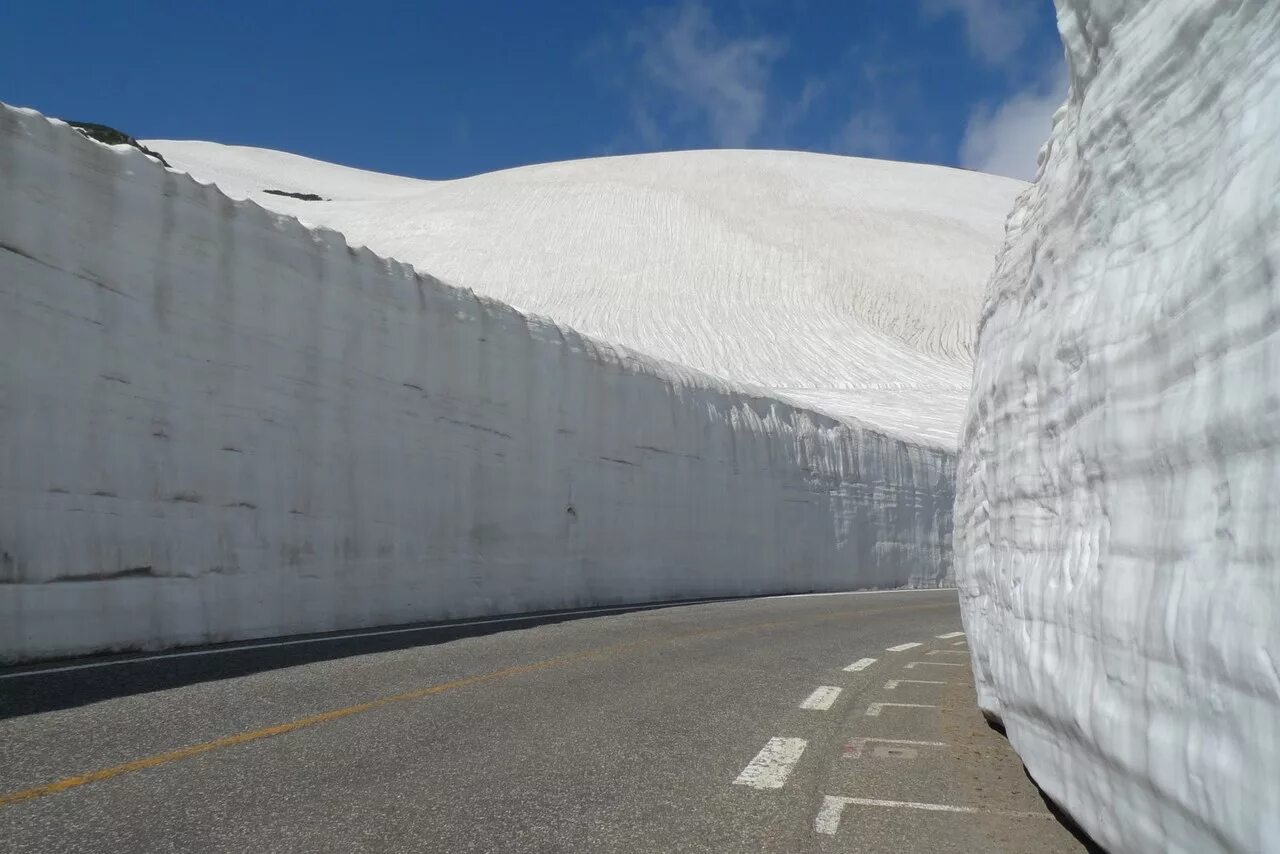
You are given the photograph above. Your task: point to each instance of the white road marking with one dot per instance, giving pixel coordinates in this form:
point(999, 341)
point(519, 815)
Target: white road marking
point(950, 635)
point(860, 664)
point(245, 647)
point(912, 665)
point(854, 593)
point(853, 750)
point(894, 683)
point(773, 764)
point(822, 698)
point(828, 820)
point(946, 652)
point(961, 643)
point(873, 710)
point(902, 647)
point(885, 751)
point(407, 629)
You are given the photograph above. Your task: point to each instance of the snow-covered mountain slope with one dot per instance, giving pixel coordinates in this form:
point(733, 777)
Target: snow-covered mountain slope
point(845, 285)
point(1118, 496)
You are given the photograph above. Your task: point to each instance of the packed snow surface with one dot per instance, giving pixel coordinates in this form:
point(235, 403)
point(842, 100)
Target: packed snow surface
point(845, 285)
point(1118, 496)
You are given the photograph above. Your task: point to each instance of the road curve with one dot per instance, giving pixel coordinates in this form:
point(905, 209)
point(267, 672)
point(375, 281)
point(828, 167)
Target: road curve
point(829, 722)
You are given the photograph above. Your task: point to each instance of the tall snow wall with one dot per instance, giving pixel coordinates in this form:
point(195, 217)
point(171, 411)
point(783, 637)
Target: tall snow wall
point(1118, 498)
point(217, 424)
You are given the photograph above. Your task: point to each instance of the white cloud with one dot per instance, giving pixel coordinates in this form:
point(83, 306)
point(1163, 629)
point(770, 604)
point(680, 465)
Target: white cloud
point(1005, 140)
point(704, 76)
point(994, 29)
point(867, 133)
point(646, 126)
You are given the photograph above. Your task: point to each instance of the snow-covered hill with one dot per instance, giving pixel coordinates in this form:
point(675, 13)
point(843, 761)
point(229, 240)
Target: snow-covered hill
point(844, 285)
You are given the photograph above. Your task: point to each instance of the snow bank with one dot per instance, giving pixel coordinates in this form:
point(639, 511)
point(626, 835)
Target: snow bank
point(844, 285)
point(1118, 503)
point(218, 424)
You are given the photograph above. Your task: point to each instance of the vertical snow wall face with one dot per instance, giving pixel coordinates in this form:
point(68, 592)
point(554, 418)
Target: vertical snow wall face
point(218, 424)
point(1118, 503)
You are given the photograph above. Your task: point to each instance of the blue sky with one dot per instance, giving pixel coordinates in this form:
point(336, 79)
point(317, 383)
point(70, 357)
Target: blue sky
point(445, 89)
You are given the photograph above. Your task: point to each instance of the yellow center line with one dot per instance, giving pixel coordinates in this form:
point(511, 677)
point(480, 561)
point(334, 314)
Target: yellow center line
point(347, 711)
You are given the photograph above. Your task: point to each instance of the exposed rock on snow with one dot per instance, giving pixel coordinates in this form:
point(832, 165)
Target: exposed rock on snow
point(844, 285)
point(1118, 504)
point(110, 136)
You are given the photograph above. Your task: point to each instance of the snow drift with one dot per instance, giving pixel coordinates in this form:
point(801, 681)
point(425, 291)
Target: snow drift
point(220, 424)
point(1118, 503)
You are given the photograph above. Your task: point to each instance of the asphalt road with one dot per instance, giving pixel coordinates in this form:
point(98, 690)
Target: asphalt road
point(727, 726)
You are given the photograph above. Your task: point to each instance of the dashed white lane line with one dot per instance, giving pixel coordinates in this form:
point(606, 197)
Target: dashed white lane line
point(828, 820)
point(902, 647)
point(961, 643)
point(822, 698)
point(853, 750)
point(773, 764)
point(873, 710)
point(946, 652)
point(912, 665)
point(860, 664)
point(894, 683)
point(950, 635)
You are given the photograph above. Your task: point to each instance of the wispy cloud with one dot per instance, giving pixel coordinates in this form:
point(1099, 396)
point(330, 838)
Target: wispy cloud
point(877, 95)
point(1005, 139)
point(694, 73)
point(995, 30)
point(815, 89)
point(868, 133)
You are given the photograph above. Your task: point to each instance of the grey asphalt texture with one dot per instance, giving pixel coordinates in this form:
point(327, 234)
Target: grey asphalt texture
point(619, 732)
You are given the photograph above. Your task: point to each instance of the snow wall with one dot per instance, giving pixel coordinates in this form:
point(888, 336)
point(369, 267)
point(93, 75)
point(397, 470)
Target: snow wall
point(1118, 503)
point(218, 424)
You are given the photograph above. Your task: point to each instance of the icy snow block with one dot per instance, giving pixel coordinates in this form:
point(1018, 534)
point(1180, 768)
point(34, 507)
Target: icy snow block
point(1118, 495)
point(218, 424)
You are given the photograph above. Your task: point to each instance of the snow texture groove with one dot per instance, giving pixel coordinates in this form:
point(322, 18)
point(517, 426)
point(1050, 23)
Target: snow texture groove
point(1118, 496)
point(219, 424)
point(845, 285)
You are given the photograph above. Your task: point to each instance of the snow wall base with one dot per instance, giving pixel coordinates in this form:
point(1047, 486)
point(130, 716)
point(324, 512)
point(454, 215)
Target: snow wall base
point(218, 424)
point(1118, 503)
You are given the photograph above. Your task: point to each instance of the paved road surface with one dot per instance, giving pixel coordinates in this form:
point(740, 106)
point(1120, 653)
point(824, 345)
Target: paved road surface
point(747, 726)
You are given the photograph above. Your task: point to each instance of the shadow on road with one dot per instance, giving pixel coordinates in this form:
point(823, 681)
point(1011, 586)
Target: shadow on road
point(49, 686)
point(1064, 818)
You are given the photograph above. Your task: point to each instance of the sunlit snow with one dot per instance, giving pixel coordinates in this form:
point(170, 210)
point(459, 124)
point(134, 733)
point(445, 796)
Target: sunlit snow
point(844, 285)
